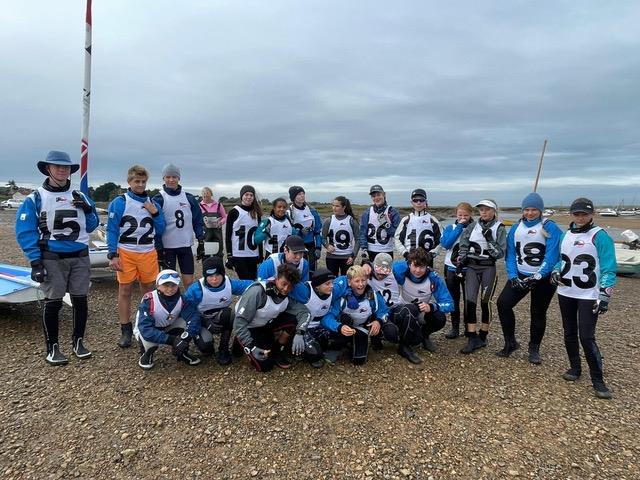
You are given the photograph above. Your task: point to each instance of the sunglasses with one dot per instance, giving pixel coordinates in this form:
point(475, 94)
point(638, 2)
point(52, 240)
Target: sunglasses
point(418, 200)
point(166, 276)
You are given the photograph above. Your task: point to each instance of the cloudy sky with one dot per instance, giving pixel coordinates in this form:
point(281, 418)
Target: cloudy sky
point(454, 97)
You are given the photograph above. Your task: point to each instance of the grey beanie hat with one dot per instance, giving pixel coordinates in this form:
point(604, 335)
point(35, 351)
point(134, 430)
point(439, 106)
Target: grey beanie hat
point(170, 170)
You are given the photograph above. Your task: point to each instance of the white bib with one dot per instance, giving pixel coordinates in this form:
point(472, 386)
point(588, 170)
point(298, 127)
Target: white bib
point(63, 220)
point(421, 291)
point(359, 315)
point(267, 313)
point(275, 258)
point(388, 288)
point(580, 265)
point(452, 253)
point(420, 232)
point(243, 229)
point(477, 243)
point(317, 307)
point(377, 236)
point(215, 300)
point(162, 317)
point(136, 227)
point(279, 231)
point(341, 235)
point(303, 217)
point(531, 246)
point(178, 218)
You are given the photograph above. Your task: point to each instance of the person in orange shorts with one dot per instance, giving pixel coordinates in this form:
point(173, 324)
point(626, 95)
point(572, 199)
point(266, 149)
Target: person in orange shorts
point(134, 221)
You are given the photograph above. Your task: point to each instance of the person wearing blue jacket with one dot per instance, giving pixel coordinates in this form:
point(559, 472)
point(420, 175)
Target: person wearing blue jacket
point(357, 312)
point(307, 224)
point(209, 306)
point(378, 225)
point(532, 251)
point(294, 251)
point(450, 240)
point(52, 228)
point(134, 220)
point(183, 220)
point(159, 322)
point(585, 276)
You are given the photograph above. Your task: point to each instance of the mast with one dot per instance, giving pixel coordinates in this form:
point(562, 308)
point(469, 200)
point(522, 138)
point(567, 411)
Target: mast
point(86, 104)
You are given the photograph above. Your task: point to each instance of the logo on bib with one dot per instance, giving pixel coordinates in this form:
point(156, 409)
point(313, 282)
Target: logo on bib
point(532, 232)
point(578, 243)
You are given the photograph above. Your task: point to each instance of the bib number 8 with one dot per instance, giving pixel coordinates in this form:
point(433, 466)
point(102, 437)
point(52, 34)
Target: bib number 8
point(533, 253)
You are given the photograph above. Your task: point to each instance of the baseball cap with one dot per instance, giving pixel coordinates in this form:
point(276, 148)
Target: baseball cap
point(487, 203)
point(375, 189)
point(295, 244)
point(581, 205)
point(419, 193)
point(168, 276)
point(383, 261)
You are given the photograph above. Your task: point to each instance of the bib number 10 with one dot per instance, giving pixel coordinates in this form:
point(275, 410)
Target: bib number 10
point(245, 237)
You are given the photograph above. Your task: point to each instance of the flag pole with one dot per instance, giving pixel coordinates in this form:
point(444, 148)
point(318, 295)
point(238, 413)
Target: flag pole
point(86, 104)
point(544, 147)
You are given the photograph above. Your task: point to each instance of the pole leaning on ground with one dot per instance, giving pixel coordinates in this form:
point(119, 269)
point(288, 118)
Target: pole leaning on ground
point(86, 104)
point(544, 147)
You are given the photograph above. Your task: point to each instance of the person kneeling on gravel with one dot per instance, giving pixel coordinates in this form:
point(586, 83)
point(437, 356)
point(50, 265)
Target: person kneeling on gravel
point(316, 295)
point(159, 322)
point(266, 319)
point(357, 312)
point(209, 306)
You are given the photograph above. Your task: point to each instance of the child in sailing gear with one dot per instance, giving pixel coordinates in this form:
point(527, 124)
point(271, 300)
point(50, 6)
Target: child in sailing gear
point(159, 322)
point(209, 306)
point(378, 225)
point(357, 312)
point(134, 221)
point(307, 223)
point(214, 217)
point(481, 244)
point(183, 221)
point(266, 319)
point(274, 230)
point(243, 255)
point(52, 228)
point(419, 228)
point(455, 282)
point(340, 237)
point(294, 251)
point(532, 253)
point(585, 275)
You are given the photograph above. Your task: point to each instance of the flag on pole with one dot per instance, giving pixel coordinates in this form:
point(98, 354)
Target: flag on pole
point(86, 104)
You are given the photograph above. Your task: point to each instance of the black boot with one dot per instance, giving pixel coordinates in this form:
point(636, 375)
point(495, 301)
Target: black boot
point(534, 354)
point(80, 350)
point(601, 390)
point(453, 333)
point(428, 345)
point(54, 355)
point(572, 374)
point(127, 333)
point(473, 344)
point(510, 346)
point(224, 355)
point(407, 352)
point(376, 343)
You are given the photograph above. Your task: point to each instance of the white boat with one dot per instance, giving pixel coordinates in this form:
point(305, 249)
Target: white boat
point(548, 212)
point(608, 212)
point(628, 260)
point(16, 286)
point(627, 213)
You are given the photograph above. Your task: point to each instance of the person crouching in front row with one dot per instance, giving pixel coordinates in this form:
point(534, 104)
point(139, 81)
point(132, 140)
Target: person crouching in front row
point(159, 322)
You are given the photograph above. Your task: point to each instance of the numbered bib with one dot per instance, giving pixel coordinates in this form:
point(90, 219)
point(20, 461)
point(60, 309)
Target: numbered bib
point(580, 265)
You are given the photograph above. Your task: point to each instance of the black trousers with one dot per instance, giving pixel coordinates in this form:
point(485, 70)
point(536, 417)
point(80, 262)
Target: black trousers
point(337, 266)
point(579, 322)
point(455, 285)
point(541, 297)
point(246, 267)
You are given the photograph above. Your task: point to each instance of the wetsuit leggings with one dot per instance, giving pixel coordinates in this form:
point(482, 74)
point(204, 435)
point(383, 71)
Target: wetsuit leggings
point(456, 286)
point(480, 279)
point(246, 267)
point(579, 322)
point(541, 296)
point(337, 266)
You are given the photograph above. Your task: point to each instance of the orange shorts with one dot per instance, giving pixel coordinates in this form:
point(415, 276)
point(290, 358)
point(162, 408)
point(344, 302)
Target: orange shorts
point(137, 266)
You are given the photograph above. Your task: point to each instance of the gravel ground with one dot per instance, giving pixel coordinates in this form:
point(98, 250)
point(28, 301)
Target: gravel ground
point(451, 417)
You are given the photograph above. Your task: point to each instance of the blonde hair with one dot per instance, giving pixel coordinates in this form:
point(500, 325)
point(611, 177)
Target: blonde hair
point(355, 271)
point(465, 206)
point(206, 189)
point(137, 171)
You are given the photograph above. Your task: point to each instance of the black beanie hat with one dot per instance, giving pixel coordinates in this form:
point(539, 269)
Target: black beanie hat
point(294, 191)
point(320, 276)
point(212, 266)
point(247, 188)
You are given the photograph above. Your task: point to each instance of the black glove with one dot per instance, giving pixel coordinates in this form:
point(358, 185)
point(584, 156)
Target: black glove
point(318, 253)
point(215, 323)
point(531, 281)
point(200, 250)
point(556, 278)
point(258, 353)
point(518, 284)
point(488, 235)
point(80, 202)
point(181, 343)
point(601, 306)
point(38, 272)
point(229, 262)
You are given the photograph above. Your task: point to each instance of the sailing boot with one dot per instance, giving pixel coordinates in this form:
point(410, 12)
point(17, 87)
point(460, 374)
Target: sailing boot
point(407, 352)
point(127, 333)
point(534, 354)
point(80, 350)
point(224, 355)
point(55, 356)
point(510, 346)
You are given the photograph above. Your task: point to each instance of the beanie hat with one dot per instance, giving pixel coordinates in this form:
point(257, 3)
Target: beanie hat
point(321, 276)
point(213, 266)
point(294, 191)
point(170, 170)
point(533, 200)
point(247, 189)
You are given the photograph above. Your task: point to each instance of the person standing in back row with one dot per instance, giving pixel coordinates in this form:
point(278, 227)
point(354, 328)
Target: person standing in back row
point(183, 221)
point(340, 237)
point(243, 255)
point(378, 225)
point(307, 223)
point(52, 228)
point(419, 228)
point(214, 217)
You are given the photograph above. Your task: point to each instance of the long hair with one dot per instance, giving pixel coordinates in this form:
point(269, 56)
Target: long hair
point(346, 204)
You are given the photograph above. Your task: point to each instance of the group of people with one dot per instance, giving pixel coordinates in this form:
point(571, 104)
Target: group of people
point(286, 304)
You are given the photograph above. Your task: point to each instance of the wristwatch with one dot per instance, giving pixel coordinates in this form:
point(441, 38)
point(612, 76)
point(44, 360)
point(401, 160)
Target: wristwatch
point(111, 256)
